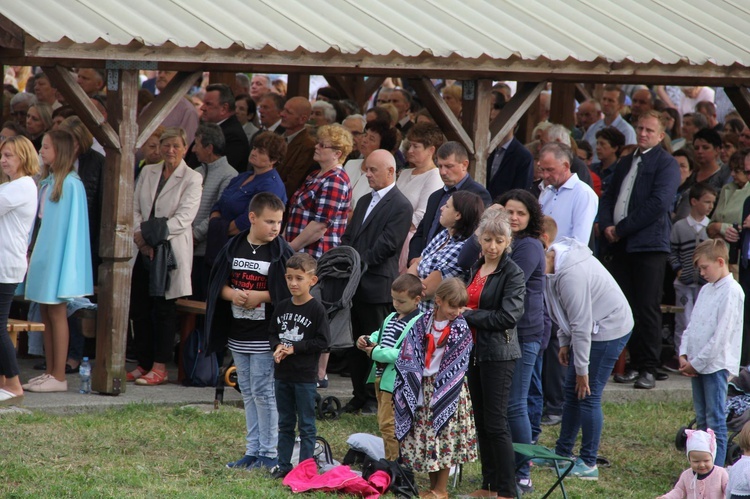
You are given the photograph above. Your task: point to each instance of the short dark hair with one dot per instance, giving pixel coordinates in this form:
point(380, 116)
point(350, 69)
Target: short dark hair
point(381, 114)
point(251, 107)
point(12, 125)
point(616, 88)
point(388, 135)
point(453, 148)
point(471, 207)
point(210, 134)
point(709, 135)
point(274, 145)
point(427, 134)
point(264, 200)
point(688, 155)
point(409, 284)
point(64, 111)
point(698, 190)
point(278, 100)
point(699, 120)
point(225, 94)
point(302, 261)
point(536, 217)
point(585, 146)
point(612, 135)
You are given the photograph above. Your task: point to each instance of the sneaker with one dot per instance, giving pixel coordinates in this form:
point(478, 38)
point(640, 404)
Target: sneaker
point(524, 486)
point(551, 419)
point(322, 383)
point(278, 472)
point(265, 462)
point(580, 470)
point(245, 462)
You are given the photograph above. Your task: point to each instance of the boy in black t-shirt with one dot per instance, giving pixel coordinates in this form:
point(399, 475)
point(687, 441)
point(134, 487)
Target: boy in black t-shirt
point(298, 334)
point(247, 278)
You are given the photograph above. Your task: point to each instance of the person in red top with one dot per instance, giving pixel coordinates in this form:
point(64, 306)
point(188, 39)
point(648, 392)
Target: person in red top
point(318, 210)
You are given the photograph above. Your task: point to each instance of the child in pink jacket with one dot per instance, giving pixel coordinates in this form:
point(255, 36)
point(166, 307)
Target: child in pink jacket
point(703, 480)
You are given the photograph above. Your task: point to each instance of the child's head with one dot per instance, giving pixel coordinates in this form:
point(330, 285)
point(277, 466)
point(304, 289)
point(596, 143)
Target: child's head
point(549, 231)
point(701, 450)
point(702, 199)
point(406, 292)
point(266, 214)
point(743, 438)
point(712, 259)
point(450, 297)
point(300, 274)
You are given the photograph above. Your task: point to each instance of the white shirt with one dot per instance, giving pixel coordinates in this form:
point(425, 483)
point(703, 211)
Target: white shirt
point(418, 188)
point(18, 203)
point(713, 338)
point(376, 197)
point(696, 225)
point(619, 123)
point(573, 207)
point(357, 180)
point(626, 188)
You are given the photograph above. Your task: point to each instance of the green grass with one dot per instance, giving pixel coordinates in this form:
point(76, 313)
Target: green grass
point(152, 451)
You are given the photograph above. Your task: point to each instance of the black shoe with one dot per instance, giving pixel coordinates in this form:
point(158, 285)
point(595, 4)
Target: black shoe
point(42, 366)
point(279, 472)
point(350, 408)
point(661, 376)
point(627, 376)
point(369, 409)
point(71, 370)
point(645, 381)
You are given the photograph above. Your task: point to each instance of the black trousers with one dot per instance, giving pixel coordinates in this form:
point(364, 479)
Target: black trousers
point(641, 278)
point(489, 386)
point(154, 321)
point(366, 319)
point(553, 376)
point(8, 363)
point(745, 283)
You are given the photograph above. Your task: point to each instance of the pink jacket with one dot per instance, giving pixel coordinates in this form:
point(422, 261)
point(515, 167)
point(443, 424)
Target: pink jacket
point(339, 479)
point(688, 487)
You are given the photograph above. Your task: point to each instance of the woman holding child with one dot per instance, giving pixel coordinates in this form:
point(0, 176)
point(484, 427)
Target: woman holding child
point(496, 297)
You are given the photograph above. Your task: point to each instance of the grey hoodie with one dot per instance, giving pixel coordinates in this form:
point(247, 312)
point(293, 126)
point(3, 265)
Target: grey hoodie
point(584, 300)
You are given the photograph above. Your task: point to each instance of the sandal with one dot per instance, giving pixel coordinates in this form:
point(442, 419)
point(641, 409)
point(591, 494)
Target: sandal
point(135, 374)
point(152, 378)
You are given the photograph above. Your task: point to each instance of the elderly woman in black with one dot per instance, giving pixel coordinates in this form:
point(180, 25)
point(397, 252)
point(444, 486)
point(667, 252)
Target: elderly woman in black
point(496, 295)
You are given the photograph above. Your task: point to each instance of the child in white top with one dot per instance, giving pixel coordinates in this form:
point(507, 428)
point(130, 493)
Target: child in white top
point(739, 474)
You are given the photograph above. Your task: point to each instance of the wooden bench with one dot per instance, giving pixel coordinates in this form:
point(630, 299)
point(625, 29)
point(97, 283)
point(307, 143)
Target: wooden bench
point(15, 326)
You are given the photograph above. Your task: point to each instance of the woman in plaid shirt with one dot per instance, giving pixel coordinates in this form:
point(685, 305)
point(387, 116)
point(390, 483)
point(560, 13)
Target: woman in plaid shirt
point(318, 210)
point(459, 216)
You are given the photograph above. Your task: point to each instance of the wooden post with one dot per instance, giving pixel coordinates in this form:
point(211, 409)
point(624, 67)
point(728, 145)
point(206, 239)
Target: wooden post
point(477, 101)
point(563, 105)
point(116, 247)
point(298, 85)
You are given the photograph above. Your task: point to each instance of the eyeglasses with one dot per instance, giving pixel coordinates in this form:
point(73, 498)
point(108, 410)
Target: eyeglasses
point(323, 146)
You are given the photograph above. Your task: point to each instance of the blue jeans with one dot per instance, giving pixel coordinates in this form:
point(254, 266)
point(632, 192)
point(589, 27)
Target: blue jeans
point(518, 408)
point(296, 404)
point(536, 398)
point(586, 415)
point(255, 376)
point(709, 401)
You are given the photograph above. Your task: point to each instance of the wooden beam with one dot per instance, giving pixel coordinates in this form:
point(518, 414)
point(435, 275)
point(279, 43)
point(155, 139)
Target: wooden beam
point(563, 104)
point(582, 93)
point(11, 36)
point(526, 95)
point(163, 104)
point(75, 97)
point(477, 102)
point(372, 83)
point(441, 113)
point(116, 246)
point(342, 84)
point(740, 97)
point(225, 77)
point(298, 85)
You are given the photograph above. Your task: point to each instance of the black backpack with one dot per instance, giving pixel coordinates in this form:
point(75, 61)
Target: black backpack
point(402, 478)
point(200, 370)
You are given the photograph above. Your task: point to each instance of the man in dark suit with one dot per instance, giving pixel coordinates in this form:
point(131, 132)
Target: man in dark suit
point(453, 163)
point(634, 219)
point(218, 107)
point(510, 166)
point(744, 268)
point(377, 230)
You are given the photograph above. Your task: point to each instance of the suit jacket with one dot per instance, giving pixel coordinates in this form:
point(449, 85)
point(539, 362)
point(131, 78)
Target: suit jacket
point(298, 162)
point(237, 146)
point(422, 236)
point(516, 170)
point(378, 239)
point(744, 245)
point(647, 225)
point(178, 202)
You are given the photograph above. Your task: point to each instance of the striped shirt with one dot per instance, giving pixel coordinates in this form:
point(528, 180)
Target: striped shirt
point(392, 332)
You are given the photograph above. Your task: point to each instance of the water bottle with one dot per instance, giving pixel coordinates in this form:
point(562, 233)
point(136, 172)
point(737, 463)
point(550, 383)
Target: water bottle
point(85, 372)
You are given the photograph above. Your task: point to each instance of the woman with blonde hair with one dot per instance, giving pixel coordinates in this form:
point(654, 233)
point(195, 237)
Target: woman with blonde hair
point(60, 265)
point(18, 199)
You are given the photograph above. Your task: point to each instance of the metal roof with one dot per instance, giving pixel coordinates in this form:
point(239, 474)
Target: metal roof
point(668, 32)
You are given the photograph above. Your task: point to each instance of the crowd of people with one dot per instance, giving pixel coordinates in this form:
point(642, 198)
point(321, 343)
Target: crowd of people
point(482, 313)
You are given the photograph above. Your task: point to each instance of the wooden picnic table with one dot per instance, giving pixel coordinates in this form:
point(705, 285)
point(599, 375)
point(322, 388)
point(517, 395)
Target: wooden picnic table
point(15, 326)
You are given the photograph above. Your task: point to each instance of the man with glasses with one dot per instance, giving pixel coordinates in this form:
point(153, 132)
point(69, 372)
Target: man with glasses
point(298, 162)
point(634, 219)
point(19, 106)
point(401, 100)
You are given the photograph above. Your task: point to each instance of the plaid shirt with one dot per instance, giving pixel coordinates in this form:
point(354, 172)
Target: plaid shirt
point(325, 199)
point(440, 254)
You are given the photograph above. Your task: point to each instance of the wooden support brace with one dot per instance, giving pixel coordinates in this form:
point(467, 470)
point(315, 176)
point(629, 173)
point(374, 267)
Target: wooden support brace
point(582, 93)
point(526, 95)
point(441, 113)
point(372, 83)
point(477, 102)
point(76, 98)
point(342, 84)
point(163, 104)
point(740, 97)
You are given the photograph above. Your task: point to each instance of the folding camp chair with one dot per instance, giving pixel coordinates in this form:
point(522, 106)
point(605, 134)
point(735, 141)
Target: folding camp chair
point(541, 452)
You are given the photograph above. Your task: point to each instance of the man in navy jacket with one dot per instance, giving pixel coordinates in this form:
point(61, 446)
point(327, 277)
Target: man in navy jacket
point(509, 166)
point(634, 218)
